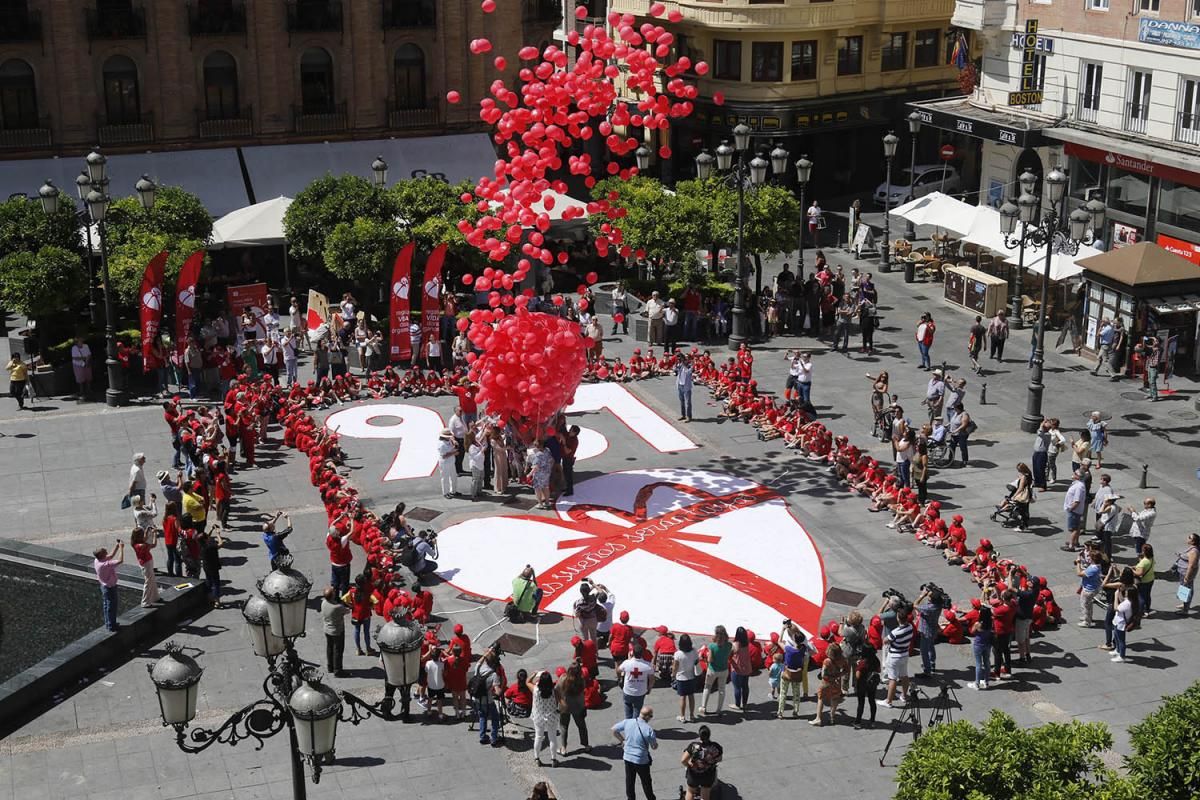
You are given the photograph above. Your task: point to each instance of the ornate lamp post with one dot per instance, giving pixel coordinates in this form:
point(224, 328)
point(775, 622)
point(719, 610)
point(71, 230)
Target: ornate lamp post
point(642, 156)
point(379, 169)
point(803, 173)
point(294, 697)
point(83, 185)
point(1056, 235)
point(910, 230)
point(889, 152)
point(754, 173)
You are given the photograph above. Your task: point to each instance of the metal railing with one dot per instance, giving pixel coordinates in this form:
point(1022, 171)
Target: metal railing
point(26, 27)
point(204, 22)
point(331, 121)
point(1087, 108)
point(409, 14)
point(125, 132)
point(236, 127)
point(129, 24)
point(308, 16)
point(401, 118)
point(1187, 127)
point(1135, 117)
point(27, 138)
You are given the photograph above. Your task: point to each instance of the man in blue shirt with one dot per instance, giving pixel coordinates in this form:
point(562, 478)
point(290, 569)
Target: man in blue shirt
point(683, 383)
point(1088, 570)
point(425, 555)
point(1105, 339)
point(638, 739)
point(273, 539)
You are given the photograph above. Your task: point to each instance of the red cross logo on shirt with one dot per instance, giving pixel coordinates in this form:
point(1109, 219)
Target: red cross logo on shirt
point(666, 536)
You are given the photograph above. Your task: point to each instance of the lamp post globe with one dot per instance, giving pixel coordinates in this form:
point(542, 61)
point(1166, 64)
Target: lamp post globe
point(1097, 209)
point(176, 678)
point(890, 141)
point(1078, 224)
point(758, 171)
point(379, 170)
point(724, 156)
point(97, 203)
point(97, 167)
point(889, 152)
point(1056, 185)
point(315, 708)
point(286, 592)
point(1009, 213)
point(48, 194)
point(642, 156)
point(83, 184)
point(704, 165)
point(803, 170)
point(910, 230)
point(399, 643)
point(146, 190)
point(257, 613)
point(1027, 205)
point(1028, 182)
point(741, 137)
point(779, 159)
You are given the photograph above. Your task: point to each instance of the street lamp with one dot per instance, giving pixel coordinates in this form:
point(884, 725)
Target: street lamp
point(704, 165)
point(294, 697)
point(379, 170)
point(83, 185)
point(910, 231)
point(146, 190)
point(1056, 233)
point(642, 154)
point(803, 173)
point(889, 152)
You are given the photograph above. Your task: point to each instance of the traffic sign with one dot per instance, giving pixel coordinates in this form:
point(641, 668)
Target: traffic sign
point(947, 152)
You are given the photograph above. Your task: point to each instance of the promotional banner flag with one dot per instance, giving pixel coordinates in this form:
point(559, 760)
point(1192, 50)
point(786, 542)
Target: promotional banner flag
point(151, 316)
point(185, 298)
point(317, 321)
point(431, 303)
point(401, 342)
point(252, 297)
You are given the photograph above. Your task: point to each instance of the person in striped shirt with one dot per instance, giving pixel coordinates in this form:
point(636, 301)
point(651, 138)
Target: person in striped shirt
point(895, 666)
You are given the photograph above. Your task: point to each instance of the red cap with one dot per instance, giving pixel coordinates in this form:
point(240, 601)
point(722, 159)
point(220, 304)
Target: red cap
point(576, 641)
point(662, 630)
point(958, 517)
point(624, 616)
point(774, 637)
point(985, 542)
point(975, 603)
point(458, 629)
point(949, 615)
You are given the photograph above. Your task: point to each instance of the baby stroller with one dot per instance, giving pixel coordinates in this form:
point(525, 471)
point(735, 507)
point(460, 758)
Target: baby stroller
point(510, 715)
point(1006, 511)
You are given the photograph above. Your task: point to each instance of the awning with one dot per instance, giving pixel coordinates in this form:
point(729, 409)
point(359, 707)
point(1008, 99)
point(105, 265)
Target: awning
point(1140, 264)
point(938, 209)
point(283, 170)
point(960, 115)
point(258, 225)
point(212, 175)
point(1158, 159)
point(1172, 305)
point(1062, 265)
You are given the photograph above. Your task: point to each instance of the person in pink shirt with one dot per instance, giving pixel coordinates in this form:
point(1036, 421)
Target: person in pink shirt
point(106, 574)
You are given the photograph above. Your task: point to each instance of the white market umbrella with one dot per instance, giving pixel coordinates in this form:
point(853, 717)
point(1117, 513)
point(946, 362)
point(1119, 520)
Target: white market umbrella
point(1062, 265)
point(259, 225)
point(938, 209)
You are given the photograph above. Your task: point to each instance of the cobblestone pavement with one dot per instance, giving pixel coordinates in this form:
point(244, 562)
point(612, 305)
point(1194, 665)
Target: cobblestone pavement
point(63, 472)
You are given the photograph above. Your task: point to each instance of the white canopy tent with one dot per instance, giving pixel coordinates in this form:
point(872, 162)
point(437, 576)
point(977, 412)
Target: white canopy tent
point(938, 209)
point(985, 229)
point(258, 225)
point(1062, 265)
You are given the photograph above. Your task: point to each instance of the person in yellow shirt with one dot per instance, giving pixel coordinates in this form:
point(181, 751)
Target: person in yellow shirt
point(194, 506)
point(18, 373)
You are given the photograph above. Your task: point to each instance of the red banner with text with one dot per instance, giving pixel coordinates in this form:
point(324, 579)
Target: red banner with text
point(151, 316)
point(401, 307)
point(250, 297)
point(185, 298)
point(431, 301)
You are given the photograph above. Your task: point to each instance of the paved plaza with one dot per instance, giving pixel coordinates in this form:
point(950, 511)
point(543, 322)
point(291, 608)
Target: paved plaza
point(64, 469)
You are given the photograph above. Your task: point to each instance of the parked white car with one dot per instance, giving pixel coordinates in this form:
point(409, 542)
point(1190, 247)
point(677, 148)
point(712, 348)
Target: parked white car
point(928, 179)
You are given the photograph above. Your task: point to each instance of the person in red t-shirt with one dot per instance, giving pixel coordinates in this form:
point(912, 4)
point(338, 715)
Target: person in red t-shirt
point(462, 641)
point(170, 527)
point(465, 392)
point(143, 542)
point(585, 653)
point(337, 541)
point(457, 666)
point(618, 638)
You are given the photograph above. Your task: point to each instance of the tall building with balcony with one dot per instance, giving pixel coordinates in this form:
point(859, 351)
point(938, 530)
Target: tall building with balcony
point(138, 75)
point(826, 79)
point(1110, 89)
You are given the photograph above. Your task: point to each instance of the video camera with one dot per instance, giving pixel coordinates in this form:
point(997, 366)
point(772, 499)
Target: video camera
point(937, 594)
point(899, 595)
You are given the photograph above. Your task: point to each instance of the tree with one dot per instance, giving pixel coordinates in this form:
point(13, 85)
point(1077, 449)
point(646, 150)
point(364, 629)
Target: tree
point(359, 250)
point(177, 214)
point(43, 283)
point(328, 202)
point(771, 220)
point(999, 760)
point(26, 228)
point(669, 227)
point(430, 210)
point(1166, 749)
point(127, 261)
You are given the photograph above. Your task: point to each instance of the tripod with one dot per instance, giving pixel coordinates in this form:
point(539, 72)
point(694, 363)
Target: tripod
point(943, 706)
point(911, 716)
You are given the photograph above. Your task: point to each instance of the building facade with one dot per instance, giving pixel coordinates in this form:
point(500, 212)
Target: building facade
point(826, 79)
point(158, 74)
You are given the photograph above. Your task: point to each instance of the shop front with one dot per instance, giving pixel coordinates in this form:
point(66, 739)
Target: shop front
point(1154, 293)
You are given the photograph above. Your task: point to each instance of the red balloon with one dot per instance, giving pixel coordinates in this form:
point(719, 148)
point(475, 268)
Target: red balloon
point(591, 277)
point(488, 6)
point(453, 97)
point(468, 279)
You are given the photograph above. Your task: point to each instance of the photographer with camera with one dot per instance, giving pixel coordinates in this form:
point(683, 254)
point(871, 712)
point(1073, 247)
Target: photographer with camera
point(425, 551)
point(897, 643)
point(929, 606)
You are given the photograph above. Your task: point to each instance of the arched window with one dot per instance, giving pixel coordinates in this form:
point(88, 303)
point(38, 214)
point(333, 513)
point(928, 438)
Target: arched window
point(220, 86)
point(18, 96)
point(316, 81)
point(122, 101)
point(410, 77)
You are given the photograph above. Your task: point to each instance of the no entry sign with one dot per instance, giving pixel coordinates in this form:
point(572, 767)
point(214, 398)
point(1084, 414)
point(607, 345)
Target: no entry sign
point(947, 152)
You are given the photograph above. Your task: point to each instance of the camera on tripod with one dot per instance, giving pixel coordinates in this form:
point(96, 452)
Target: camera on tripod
point(937, 595)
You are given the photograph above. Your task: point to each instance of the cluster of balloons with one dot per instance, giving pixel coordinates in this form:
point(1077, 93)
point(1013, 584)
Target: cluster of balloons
point(558, 102)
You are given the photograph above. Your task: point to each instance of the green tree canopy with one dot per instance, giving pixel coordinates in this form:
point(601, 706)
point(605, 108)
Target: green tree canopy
point(1166, 749)
point(360, 250)
point(25, 228)
point(177, 214)
point(999, 760)
point(667, 226)
point(328, 202)
point(772, 216)
point(429, 212)
point(40, 284)
point(127, 261)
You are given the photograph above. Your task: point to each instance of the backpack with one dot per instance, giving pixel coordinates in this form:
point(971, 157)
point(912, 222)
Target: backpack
point(477, 686)
point(408, 556)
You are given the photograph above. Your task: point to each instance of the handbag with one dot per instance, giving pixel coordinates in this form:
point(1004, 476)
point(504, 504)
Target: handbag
point(126, 502)
point(1184, 594)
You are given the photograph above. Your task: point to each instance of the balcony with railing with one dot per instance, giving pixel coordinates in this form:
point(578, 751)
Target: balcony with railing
point(333, 120)
point(28, 136)
point(209, 19)
point(314, 16)
point(1135, 117)
point(23, 26)
point(237, 126)
point(1087, 109)
point(110, 23)
point(125, 132)
point(407, 118)
point(409, 14)
point(1187, 127)
point(541, 11)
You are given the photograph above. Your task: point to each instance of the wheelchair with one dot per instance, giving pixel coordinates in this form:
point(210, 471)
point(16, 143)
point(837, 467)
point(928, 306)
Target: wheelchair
point(1006, 511)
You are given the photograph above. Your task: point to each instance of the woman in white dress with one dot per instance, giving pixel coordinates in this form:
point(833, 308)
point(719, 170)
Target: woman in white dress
point(544, 715)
